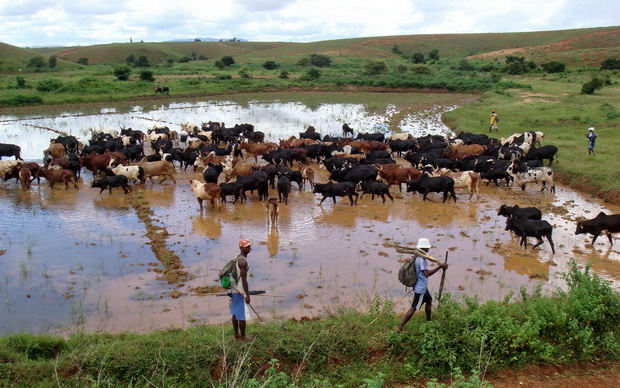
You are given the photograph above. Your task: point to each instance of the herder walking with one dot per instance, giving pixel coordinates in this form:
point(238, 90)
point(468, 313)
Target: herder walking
point(494, 121)
point(591, 140)
point(240, 297)
point(420, 290)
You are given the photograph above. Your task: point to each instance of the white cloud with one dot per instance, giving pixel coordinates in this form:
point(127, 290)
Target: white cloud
point(67, 22)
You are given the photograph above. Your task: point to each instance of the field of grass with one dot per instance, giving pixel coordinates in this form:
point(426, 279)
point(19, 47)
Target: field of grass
point(345, 348)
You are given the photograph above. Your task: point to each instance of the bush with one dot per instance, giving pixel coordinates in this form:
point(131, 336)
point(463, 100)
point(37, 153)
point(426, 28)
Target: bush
point(223, 76)
point(418, 58)
point(283, 74)
point(184, 60)
point(83, 61)
point(303, 62)
point(21, 83)
point(610, 64)
point(312, 74)
point(396, 50)
point(143, 61)
point(434, 55)
point(219, 64)
point(320, 60)
point(48, 85)
point(373, 67)
point(592, 86)
point(554, 67)
point(270, 65)
point(227, 60)
point(421, 69)
point(401, 68)
point(22, 100)
point(122, 72)
point(53, 61)
point(464, 65)
point(37, 62)
point(146, 75)
point(245, 72)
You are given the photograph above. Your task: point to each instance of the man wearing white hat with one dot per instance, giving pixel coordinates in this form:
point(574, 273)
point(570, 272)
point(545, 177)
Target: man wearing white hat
point(421, 295)
point(591, 139)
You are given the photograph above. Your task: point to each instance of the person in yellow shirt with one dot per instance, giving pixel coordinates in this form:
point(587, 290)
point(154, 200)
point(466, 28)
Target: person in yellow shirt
point(494, 121)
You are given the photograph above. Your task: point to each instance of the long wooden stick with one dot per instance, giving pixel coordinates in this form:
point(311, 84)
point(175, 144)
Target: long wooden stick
point(443, 279)
point(415, 251)
point(388, 309)
point(252, 307)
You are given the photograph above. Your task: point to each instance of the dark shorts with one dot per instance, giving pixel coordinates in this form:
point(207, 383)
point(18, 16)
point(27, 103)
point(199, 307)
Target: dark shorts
point(420, 299)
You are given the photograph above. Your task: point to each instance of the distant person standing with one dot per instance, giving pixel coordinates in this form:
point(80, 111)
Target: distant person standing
point(494, 121)
point(591, 140)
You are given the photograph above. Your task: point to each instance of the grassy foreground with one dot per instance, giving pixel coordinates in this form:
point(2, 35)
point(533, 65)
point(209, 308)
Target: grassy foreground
point(465, 338)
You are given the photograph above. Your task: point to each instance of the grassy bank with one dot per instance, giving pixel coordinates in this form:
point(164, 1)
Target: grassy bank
point(555, 105)
point(465, 338)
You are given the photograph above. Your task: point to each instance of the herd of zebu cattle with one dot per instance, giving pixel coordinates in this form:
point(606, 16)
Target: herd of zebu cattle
point(229, 161)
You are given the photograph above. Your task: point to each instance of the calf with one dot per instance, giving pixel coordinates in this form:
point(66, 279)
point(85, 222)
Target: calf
point(110, 181)
point(376, 188)
point(206, 191)
point(135, 173)
point(334, 190)
point(284, 187)
point(426, 184)
point(531, 213)
point(25, 178)
point(602, 222)
point(273, 212)
point(468, 180)
point(524, 228)
point(545, 152)
point(232, 188)
point(53, 176)
point(307, 174)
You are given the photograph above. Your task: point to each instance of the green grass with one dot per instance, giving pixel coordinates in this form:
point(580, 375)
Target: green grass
point(341, 348)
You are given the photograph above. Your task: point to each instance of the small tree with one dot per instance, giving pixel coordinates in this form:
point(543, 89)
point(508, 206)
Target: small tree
point(219, 64)
point(418, 58)
point(37, 62)
point(130, 60)
point(283, 74)
point(245, 72)
point(184, 59)
point(373, 67)
point(146, 75)
point(83, 61)
point(464, 65)
point(143, 61)
point(320, 60)
point(592, 86)
point(554, 67)
point(122, 72)
point(270, 65)
point(396, 50)
point(610, 64)
point(311, 74)
point(52, 62)
point(434, 55)
point(303, 62)
point(48, 85)
point(21, 83)
point(227, 60)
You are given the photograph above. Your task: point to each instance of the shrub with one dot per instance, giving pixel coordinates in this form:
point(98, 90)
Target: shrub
point(396, 50)
point(303, 62)
point(320, 60)
point(37, 62)
point(245, 72)
point(83, 61)
point(592, 86)
point(22, 100)
point(434, 55)
point(373, 67)
point(143, 61)
point(184, 59)
point(270, 65)
point(464, 65)
point(219, 64)
point(421, 69)
point(223, 76)
point(401, 68)
point(52, 62)
point(610, 64)
point(283, 74)
point(312, 74)
point(35, 347)
point(146, 75)
point(130, 60)
point(48, 85)
point(554, 67)
point(122, 72)
point(227, 60)
point(21, 83)
point(418, 58)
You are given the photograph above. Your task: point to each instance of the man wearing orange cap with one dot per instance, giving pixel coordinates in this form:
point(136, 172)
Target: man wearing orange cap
point(241, 292)
point(494, 121)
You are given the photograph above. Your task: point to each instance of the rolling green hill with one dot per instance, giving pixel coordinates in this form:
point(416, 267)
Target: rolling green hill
point(577, 47)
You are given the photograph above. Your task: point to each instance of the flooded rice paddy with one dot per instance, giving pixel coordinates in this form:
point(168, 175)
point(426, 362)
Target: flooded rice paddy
point(76, 260)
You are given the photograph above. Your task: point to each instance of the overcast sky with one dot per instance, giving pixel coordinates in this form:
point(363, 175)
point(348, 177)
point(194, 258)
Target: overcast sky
point(85, 22)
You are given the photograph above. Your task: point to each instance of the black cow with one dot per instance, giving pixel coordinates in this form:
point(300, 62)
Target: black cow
point(284, 187)
point(439, 184)
point(376, 136)
point(162, 89)
point(10, 150)
point(355, 174)
point(334, 190)
point(376, 188)
point(544, 152)
point(108, 182)
point(232, 188)
point(346, 130)
point(524, 228)
point(212, 173)
point(70, 143)
point(602, 222)
point(531, 213)
point(257, 181)
point(496, 174)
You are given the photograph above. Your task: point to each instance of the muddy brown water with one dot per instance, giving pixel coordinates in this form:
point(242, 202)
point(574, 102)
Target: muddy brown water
point(76, 260)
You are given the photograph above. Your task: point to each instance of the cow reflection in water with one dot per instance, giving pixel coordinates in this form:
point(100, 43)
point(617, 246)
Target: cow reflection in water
point(207, 225)
point(273, 242)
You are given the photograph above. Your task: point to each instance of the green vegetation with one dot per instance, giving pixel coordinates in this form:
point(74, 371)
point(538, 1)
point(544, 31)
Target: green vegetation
point(466, 338)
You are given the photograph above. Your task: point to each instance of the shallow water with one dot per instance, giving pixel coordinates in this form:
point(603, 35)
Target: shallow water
point(76, 260)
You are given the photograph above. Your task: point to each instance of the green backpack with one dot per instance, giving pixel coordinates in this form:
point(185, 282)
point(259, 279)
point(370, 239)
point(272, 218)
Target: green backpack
point(407, 274)
point(228, 272)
